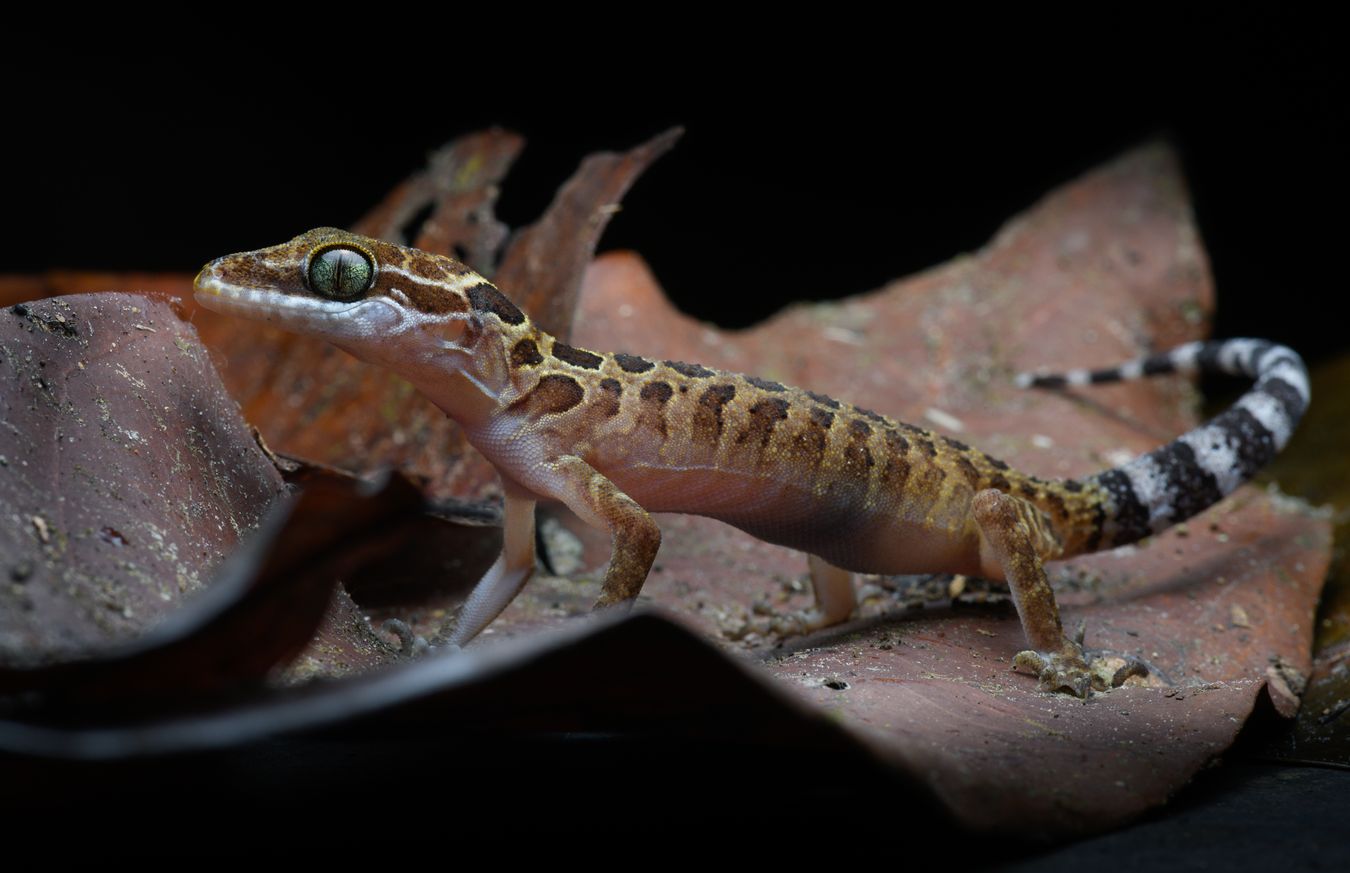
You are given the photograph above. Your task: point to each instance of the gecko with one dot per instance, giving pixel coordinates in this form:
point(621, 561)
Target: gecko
point(616, 437)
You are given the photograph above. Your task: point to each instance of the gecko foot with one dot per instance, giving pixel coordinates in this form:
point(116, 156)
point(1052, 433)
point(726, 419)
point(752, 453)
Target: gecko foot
point(800, 623)
point(1065, 670)
point(1076, 671)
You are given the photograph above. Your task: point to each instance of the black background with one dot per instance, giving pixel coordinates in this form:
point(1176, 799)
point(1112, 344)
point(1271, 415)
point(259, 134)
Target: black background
point(823, 157)
point(814, 166)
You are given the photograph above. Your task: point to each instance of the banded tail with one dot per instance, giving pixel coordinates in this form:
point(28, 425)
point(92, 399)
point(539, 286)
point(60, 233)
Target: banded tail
point(1170, 484)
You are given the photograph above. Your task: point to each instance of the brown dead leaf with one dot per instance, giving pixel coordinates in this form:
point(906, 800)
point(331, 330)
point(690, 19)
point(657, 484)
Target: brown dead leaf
point(129, 461)
point(135, 476)
point(459, 187)
point(543, 267)
point(262, 608)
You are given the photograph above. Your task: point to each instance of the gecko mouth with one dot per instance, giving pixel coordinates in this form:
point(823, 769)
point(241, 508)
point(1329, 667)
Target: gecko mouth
point(327, 317)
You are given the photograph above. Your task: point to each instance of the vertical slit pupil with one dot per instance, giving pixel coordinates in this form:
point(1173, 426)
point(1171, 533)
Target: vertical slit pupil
point(345, 270)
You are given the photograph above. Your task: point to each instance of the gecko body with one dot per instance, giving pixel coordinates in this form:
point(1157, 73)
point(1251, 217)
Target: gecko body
point(618, 436)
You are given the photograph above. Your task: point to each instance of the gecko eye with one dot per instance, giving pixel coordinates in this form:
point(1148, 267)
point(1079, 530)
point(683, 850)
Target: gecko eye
point(341, 273)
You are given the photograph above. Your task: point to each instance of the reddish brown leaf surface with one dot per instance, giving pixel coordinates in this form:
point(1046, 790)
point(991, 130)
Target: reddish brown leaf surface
point(131, 477)
point(459, 186)
point(264, 606)
point(544, 265)
point(127, 473)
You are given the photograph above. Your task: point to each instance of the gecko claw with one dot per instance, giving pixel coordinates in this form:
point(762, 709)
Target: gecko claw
point(1057, 671)
point(1133, 667)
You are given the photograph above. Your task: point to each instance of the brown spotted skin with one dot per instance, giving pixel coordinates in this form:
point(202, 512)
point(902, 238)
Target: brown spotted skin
point(789, 466)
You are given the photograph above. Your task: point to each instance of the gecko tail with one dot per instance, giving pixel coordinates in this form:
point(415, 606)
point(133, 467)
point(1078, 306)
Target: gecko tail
point(1175, 482)
point(1234, 357)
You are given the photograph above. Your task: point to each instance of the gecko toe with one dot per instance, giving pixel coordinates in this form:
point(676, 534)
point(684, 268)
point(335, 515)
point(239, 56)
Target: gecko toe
point(1078, 672)
point(1133, 667)
point(1066, 670)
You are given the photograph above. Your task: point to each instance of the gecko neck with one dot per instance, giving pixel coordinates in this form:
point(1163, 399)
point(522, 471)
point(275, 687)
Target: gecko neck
point(466, 366)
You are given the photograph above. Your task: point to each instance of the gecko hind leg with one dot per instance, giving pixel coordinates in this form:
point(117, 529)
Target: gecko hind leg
point(835, 599)
point(1011, 529)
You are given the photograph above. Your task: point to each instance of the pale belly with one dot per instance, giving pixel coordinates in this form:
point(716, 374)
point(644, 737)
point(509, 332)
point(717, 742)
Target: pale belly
point(885, 539)
point(896, 536)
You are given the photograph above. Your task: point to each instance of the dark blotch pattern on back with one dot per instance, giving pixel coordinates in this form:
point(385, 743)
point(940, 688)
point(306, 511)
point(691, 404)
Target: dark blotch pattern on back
point(693, 371)
point(576, 357)
point(869, 414)
point(652, 413)
point(656, 392)
point(814, 436)
point(895, 473)
point(554, 394)
point(707, 424)
point(526, 354)
point(607, 403)
point(485, 298)
point(632, 363)
point(764, 384)
point(857, 454)
point(823, 400)
point(764, 417)
point(967, 468)
point(995, 463)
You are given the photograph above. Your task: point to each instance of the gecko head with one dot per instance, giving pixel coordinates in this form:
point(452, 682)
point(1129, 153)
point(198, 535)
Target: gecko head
point(346, 288)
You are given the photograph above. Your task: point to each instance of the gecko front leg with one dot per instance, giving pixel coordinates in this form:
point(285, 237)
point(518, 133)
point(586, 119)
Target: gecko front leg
point(508, 574)
point(600, 503)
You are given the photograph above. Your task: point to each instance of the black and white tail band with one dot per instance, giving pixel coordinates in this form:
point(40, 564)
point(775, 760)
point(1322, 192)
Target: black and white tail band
point(1191, 473)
